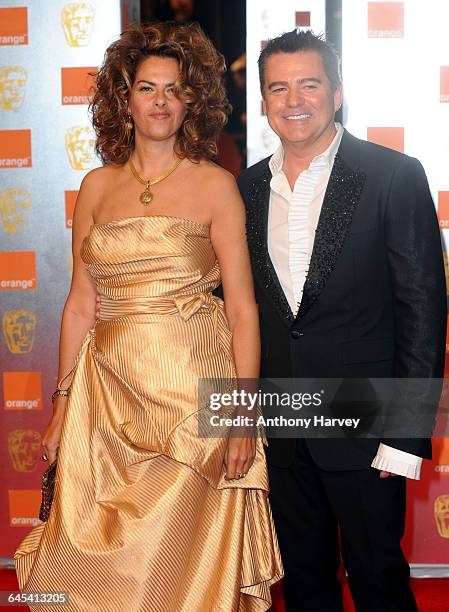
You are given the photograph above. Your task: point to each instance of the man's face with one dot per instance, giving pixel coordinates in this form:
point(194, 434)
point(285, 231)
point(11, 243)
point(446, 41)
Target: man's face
point(299, 101)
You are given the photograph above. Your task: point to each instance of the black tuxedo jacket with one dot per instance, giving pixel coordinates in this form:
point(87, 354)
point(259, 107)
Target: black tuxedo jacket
point(374, 301)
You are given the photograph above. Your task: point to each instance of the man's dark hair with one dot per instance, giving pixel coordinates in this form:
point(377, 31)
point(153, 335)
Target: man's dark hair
point(303, 40)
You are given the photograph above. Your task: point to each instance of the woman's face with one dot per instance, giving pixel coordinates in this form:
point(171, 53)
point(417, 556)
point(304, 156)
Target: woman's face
point(156, 111)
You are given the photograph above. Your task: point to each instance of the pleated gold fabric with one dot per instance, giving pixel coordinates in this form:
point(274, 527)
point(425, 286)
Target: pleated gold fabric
point(143, 519)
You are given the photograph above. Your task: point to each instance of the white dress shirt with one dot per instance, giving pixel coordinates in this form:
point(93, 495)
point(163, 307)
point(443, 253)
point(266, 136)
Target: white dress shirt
point(292, 221)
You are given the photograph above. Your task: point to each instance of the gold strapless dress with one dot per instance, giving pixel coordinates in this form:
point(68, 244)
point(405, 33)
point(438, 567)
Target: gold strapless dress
point(142, 518)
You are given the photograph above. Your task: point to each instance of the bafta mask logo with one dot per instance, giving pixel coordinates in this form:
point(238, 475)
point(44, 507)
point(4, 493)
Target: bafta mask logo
point(441, 508)
point(77, 23)
point(19, 329)
point(24, 446)
point(13, 80)
point(13, 206)
point(79, 144)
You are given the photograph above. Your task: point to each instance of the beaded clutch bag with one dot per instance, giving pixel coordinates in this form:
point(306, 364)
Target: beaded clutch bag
point(48, 488)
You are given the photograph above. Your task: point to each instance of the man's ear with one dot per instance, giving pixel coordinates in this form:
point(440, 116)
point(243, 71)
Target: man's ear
point(264, 107)
point(338, 97)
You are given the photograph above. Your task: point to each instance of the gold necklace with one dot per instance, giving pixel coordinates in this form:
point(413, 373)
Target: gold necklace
point(146, 196)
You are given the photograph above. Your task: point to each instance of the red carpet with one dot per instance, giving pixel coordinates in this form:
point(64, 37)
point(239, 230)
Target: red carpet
point(432, 594)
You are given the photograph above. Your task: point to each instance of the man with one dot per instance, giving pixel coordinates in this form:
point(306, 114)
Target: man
point(350, 283)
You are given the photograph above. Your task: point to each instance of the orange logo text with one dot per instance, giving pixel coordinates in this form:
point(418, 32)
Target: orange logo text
point(443, 209)
point(24, 507)
point(15, 149)
point(17, 270)
point(14, 26)
point(385, 19)
point(70, 201)
point(22, 391)
point(77, 85)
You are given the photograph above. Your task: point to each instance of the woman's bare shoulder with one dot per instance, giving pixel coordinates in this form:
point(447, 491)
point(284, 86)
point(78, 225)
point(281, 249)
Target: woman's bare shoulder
point(99, 177)
point(213, 170)
point(212, 177)
point(218, 188)
point(95, 185)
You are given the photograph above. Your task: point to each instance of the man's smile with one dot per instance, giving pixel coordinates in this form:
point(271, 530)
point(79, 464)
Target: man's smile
point(302, 117)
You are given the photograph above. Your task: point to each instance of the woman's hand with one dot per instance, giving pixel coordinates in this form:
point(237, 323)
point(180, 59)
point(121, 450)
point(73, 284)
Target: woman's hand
point(239, 456)
point(52, 433)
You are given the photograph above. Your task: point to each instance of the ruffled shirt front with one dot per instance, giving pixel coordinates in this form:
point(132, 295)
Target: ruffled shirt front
point(293, 218)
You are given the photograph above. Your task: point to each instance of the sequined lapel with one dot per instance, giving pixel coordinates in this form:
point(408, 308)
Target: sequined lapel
point(342, 196)
point(257, 229)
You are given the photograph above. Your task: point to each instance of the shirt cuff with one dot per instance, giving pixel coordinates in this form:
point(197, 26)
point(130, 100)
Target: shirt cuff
point(397, 462)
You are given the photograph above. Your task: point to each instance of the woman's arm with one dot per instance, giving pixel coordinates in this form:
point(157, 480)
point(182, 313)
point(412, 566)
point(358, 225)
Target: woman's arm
point(79, 310)
point(228, 235)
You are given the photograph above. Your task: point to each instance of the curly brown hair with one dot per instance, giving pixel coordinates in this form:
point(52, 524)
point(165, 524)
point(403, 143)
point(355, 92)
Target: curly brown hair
point(200, 87)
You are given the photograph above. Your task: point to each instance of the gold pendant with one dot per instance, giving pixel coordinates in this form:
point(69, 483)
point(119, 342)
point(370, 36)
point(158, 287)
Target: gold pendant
point(146, 196)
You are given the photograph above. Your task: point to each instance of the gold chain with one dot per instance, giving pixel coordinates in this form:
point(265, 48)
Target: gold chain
point(146, 196)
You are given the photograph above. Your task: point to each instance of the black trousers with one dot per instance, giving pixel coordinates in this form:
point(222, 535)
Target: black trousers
point(310, 506)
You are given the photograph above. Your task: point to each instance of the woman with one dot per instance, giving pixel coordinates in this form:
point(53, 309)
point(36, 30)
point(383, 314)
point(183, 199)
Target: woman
point(148, 516)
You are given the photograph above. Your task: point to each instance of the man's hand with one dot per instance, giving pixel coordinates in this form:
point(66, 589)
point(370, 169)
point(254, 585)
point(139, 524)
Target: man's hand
point(385, 474)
